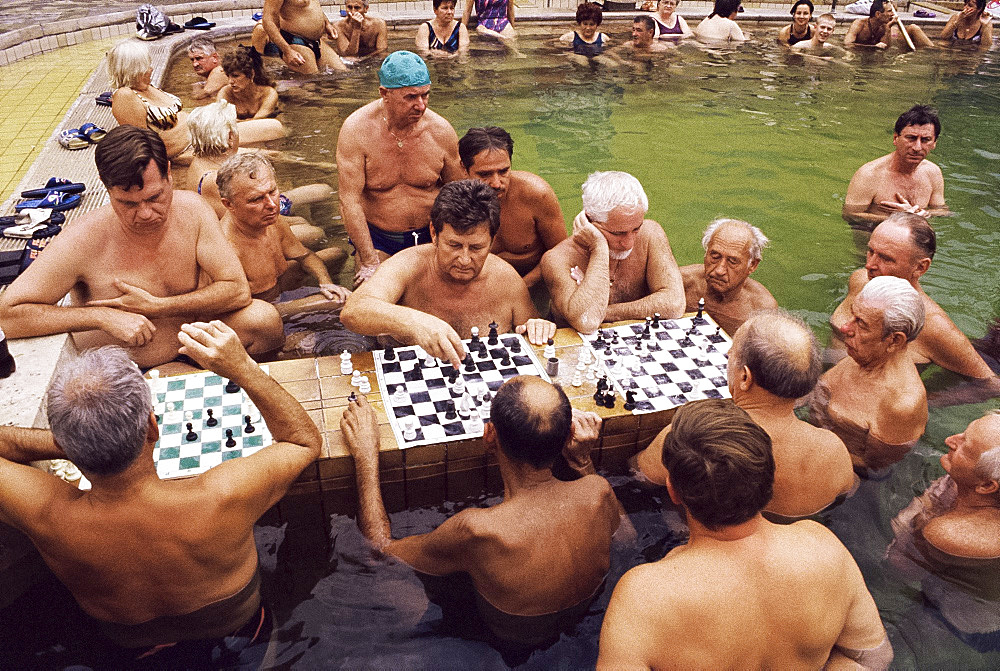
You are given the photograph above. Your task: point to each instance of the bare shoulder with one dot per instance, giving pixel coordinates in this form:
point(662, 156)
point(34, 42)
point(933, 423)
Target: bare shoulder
point(439, 127)
point(566, 253)
point(858, 280)
point(192, 205)
point(760, 297)
point(356, 119)
point(973, 536)
point(652, 230)
point(533, 186)
point(930, 169)
point(410, 261)
point(693, 276)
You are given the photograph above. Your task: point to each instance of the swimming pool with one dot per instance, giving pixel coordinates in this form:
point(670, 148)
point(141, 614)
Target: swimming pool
point(750, 133)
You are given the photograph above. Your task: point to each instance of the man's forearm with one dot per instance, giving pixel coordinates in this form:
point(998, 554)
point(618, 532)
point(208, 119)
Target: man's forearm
point(313, 265)
point(23, 446)
point(36, 319)
point(376, 317)
point(218, 298)
point(357, 228)
point(372, 518)
point(286, 419)
point(659, 301)
point(586, 307)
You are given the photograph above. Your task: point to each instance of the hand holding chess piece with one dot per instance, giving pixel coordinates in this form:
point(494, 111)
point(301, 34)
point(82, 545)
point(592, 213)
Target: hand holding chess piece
point(583, 438)
point(216, 347)
point(436, 337)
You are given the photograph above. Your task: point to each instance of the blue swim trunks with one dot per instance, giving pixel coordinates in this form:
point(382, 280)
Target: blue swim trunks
point(391, 242)
point(285, 205)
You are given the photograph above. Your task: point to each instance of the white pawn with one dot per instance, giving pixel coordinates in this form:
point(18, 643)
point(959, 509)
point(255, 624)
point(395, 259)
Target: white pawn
point(459, 385)
point(426, 360)
point(409, 430)
point(577, 377)
point(591, 374)
point(586, 355)
point(356, 378)
point(365, 386)
point(476, 425)
point(346, 367)
point(399, 395)
point(484, 411)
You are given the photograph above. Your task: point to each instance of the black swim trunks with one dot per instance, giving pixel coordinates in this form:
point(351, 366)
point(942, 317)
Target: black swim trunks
point(272, 49)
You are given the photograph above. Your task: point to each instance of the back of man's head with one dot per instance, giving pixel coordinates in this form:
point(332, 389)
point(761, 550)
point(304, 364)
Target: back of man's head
point(719, 462)
point(922, 234)
point(780, 351)
point(98, 408)
point(125, 152)
point(919, 115)
point(901, 305)
point(877, 6)
point(252, 165)
point(532, 419)
point(465, 204)
point(478, 140)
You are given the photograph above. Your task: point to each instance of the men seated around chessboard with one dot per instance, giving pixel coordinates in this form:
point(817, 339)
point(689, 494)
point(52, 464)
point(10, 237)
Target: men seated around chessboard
point(531, 221)
point(732, 252)
point(775, 360)
point(874, 399)
point(770, 596)
point(168, 568)
point(617, 264)
point(903, 246)
point(949, 536)
point(432, 295)
point(903, 181)
point(139, 267)
point(272, 257)
point(536, 560)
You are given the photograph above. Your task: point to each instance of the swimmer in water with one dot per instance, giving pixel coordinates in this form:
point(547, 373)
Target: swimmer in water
point(874, 399)
point(775, 360)
point(537, 559)
point(587, 41)
point(770, 596)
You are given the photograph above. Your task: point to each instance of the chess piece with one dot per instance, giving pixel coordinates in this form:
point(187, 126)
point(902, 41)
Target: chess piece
point(550, 349)
point(399, 395)
point(464, 406)
point(356, 378)
point(577, 377)
point(630, 400)
point(232, 387)
point(645, 329)
point(191, 436)
point(656, 320)
point(365, 386)
point(450, 412)
point(459, 387)
point(211, 421)
point(515, 346)
point(409, 428)
point(7, 365)
point(476, 425)
point(494, 336)
point(426, 360)
point(505, 359)
point(470, 365)
point(484, 410)
point(552, 367)
point(352, 398)
point(346, 367)
point(389, 354)
point(609, 398)
point(475, 336)
point(230, 441)
point(249, 428)
point(188, 415)
point(701, 308)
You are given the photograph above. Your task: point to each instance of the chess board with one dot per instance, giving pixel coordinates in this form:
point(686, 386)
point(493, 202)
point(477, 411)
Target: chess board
point(678, 364)
point(426, 391)
point(182, 399)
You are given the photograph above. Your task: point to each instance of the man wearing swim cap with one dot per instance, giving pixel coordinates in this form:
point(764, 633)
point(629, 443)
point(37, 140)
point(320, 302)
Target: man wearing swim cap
point(393, 155)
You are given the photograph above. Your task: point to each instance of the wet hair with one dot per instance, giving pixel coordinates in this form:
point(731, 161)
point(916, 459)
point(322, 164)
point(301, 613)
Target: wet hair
point(251, 164)
point(758, 241)
point(781, 352)
point(647, 22)
point(981, 6)
point(477, 140)
point(526, 432)
point(827, 16)
point(98, 408)
point(203, 45)
point(247, 62)
point(125, 152)
point(211, 126)
point(720, 463)
point(877, 6)
point(465, 204)
point(725, 8)
point(918, 115)
point(807, 3)
point(604, 191)
point(922, 234)
point(437, 3)
point(127, 61)
point(901, 305)
point(589, 11)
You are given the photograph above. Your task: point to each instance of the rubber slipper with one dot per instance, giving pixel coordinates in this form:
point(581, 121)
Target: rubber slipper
point(55, 201)
point(29, 231)
point(92, 132)
point(104, 99)
point(173, 28)
point(24, 216)
point(55, 184)
point(257, 16)
point(924, 14)
point(199, 23)
point(73, 139)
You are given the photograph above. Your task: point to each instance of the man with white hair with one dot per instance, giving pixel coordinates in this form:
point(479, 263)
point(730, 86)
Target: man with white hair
point(874, 399)
point(732, 251)
point(617, 264)
point(205, 62)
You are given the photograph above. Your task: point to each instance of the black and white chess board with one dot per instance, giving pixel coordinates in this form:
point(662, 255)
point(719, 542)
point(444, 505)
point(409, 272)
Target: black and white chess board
point(665, 363)
point(428, 401)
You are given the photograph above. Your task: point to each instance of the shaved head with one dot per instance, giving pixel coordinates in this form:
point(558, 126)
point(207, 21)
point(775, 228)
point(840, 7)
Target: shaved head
point(780, 351)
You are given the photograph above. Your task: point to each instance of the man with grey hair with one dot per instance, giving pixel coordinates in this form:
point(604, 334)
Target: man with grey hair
point(775, 360)
point(114, 545)
point(360, 36)
point(949, 536)
point(617, 264)
point(874, 399)
point(732, 251)
point(903, 246)
point(206, 64)
point(272, 257)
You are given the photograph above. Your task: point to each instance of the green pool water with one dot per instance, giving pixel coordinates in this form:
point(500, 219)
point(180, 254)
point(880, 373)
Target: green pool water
point(756, 134)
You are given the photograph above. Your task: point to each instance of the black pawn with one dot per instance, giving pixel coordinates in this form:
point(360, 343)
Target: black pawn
point(249, 428)
point(475, 338)
point(230, 441)
point(470, 365)
point(630, 400)
point(352, 398)
point(191, 435)
point(515, 346)
point(656, 320)
point(599, 343)
point(701, 307)
point(389, 354)
point(452, 375)
point(211, 421)
point(494, 336)
point(450, 412)
point(717, 329)
point(609, 399)
point(505, 359)
point(232, 387)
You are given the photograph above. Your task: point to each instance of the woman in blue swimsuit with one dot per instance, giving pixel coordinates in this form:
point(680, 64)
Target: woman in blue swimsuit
point(443, 36)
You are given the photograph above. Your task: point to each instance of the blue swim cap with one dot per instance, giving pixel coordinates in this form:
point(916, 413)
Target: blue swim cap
point(403, 68)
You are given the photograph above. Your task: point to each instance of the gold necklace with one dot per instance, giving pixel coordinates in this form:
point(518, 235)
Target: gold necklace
point(399, 140)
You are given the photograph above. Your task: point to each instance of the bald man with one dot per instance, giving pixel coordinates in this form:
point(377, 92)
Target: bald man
point(773, 361)
point(732, 252)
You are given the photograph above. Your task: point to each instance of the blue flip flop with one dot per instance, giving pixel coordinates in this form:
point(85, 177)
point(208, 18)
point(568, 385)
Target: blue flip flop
point(72, 138)
point(92, 132)
point(56, 201)
point(199, 23)
point(104, 99)
point(55, 184)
